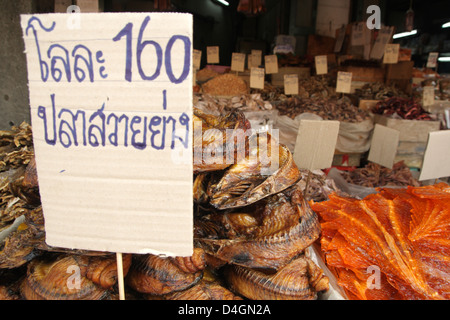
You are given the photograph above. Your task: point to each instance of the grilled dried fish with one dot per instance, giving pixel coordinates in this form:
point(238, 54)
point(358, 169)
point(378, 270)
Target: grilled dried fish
point(103, 270)
point(159, 275)
point(281, 231)
point(301, 279)
point(62, 278)
point(220, 139)
point(204, 290)
point(255, 177)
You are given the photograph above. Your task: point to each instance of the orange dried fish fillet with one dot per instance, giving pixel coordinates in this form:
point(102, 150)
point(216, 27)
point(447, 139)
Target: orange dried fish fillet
point(404, 232)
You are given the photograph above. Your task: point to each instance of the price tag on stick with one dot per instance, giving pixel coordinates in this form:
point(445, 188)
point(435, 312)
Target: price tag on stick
point(256, 58)
point(290, 84)
point(257, 78)
point(344, 82)
point(428, 96)
point(112, 176)
point(432, 59)
point(384, 144)
point(271, 64)
point(237, 62)
point(196, 59)
point(212, 54)
point(391, 52)
point(321, 64)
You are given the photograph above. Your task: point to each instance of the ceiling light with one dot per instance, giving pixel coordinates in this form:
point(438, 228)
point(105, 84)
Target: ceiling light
point(405, 34)
point(446, 25)
point(444, 59)
point(225, 3)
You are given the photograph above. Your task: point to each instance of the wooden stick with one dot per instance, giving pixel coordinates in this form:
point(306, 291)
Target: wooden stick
point(120, 275)
point(305, 192)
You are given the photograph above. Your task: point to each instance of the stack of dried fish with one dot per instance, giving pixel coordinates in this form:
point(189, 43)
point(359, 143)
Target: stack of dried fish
point(373, 175)
point(379, 91)
point(328, 109)
point(252, 226)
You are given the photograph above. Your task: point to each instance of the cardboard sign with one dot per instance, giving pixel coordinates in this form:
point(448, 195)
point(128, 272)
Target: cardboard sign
point(391, 51)
point(428, 96)
point(271, 64)
point(256, 58)
point(435, 161)
point(196, 59)
point(383, 38)
point(290, 84)
point(432, 59)
point(344, 82)
point(340, 39)
point(238, 62)
point(358, 34)
point(384, 144)
point(257, 78)
point(316, 144)
point(111, 108)
point(212, 54)
point(321, 64)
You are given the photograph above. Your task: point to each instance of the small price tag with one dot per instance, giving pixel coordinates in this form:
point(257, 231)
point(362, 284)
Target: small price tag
point(290, 84)
point(384, 36)
point(271, 64)
point(428, 96)
point(344, 82)
point(237, 62)
point(212, 54)
point(257, 78)
point(196, 58)
point(256, 58)
point(391, 51)
point(432, 59)
point(321, 64)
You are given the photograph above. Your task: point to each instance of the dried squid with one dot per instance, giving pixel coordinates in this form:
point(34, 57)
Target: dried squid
point(301, 279)
point(390, 245)
point(257, 176)
point(268, 236)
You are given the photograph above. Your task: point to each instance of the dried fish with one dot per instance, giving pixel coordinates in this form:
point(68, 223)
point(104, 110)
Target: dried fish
point(301, 279)
point(60, 278)
point(267, 237)
point(159, 275)
point(254, 178)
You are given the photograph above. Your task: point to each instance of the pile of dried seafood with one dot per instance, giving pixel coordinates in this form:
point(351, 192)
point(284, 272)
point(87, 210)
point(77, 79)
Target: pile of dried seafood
point(221, 105)
point(391, 245)
point(252, 226)
point(374, 175)
point(379, 91)
point(328, 109)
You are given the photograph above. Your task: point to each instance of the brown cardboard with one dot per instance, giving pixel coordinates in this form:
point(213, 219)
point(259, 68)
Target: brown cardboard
point(367, 104)
point(316, 144)
point(384, 146)
point(410, 130)
point(118, 189)
point(435, 162)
